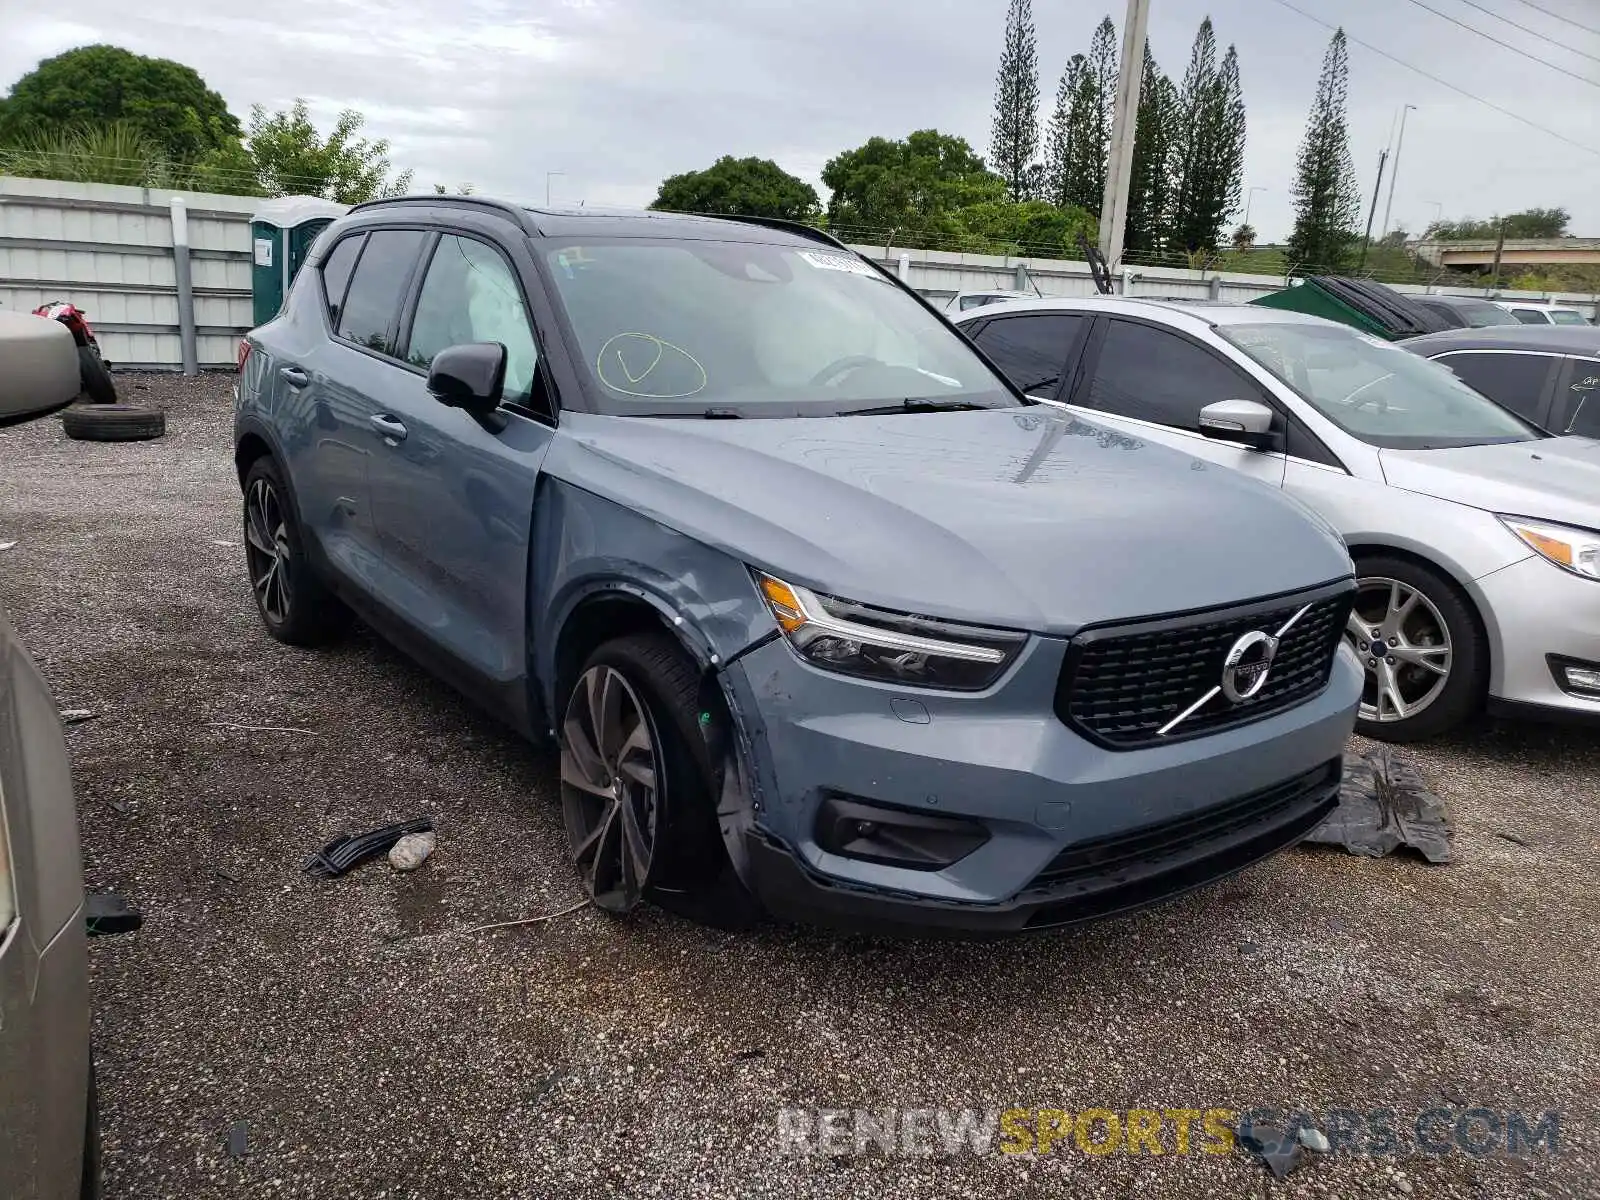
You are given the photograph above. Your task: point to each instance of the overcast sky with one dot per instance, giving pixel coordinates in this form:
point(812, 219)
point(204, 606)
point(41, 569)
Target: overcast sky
point(617, 94)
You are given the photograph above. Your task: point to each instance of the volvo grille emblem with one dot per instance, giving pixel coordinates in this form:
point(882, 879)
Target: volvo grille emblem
point(1244, 670)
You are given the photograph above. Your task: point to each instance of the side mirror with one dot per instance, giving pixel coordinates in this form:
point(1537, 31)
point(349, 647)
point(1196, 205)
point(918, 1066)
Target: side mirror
point(470, 377)
point(1246, 422)
point(39, 370)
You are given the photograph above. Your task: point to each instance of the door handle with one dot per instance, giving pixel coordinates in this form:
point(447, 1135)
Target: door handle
point(389, 427)
point(294, 376)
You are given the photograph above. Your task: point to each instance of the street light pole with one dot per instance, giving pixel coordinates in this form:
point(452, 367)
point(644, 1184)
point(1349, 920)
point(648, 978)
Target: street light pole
point(1394, 171)
point(1125, 124)
point(548, 176)
point(1249, 195)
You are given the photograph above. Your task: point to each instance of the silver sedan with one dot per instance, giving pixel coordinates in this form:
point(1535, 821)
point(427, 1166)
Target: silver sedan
point(1476, 536)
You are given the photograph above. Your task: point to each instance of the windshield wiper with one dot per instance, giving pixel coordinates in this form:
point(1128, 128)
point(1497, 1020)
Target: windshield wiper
point(915, 404)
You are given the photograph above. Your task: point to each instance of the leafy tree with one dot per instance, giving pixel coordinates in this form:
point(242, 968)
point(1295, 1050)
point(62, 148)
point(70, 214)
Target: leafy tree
point(1150, 185)
point(166, 103)
point(1031, 227)
point(289, 157)
point(1209, 152)
point(1244, 237)
point(1327, 204)
point(909, 186)
point(1530, 223)
point(1015, 138)
point(753, 187)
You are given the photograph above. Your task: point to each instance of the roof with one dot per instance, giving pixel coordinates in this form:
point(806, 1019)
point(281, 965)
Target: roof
point(289, 212)
point(1546, 305)
point(1551, 339)
point(1209, 312)
point(557, 221)
point(1455, 301)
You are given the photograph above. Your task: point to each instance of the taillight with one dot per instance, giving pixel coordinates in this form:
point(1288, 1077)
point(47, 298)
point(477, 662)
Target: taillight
point(244, 353)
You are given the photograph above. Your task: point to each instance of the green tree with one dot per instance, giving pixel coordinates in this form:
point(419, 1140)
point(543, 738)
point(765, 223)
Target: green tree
point(1034, 227)
point(907, 186)
point(166, 103)
point(1014, 142)
point(752, 187)
point(290, 158)
point(1244, 237)
point(1530, 223)
point(1327, 204)
point(1209, 150)
point(1103, 104)
point(1057, 180)
point(1078, 145)
point(1150, 187)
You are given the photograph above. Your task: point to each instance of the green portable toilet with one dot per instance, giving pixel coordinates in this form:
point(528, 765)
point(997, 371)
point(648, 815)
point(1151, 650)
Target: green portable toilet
point(281, 232)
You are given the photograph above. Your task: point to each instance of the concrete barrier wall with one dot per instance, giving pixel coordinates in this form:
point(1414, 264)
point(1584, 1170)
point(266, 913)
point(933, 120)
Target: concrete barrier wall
point(108, 249)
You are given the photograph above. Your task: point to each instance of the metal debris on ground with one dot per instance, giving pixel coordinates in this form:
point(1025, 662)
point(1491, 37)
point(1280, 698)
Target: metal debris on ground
point(411, 851)
point(239, 1139)
point(1273, 1144)
point(4, 546)
point(347, 850)
point(1385, 804)
point(76, 716)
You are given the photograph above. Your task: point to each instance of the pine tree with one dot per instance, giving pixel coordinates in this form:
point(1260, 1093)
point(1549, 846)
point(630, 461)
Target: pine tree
point(1055, 183)
point(1209, 149)
point(1086, 160)
point(1103, 74)
point(1189, 165)
point(1327, 205)
point(1150, 187)
point(1015, 138)
point(1227, 118)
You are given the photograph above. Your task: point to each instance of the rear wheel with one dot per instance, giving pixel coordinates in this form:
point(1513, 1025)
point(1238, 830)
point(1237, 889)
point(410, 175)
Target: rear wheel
point(94, 376)
point(636, 785)
point(1426, 659)
point(294, 604)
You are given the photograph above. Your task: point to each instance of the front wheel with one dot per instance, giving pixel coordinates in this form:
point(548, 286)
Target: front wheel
point(1425, 657)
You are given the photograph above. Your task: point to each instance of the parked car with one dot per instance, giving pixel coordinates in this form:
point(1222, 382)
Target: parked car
point(1474, 532)
point(49, 1127)
point(1545, 375)
point(824, 617)
point(1466, 312)
point(1530, 313)
point(966, 301)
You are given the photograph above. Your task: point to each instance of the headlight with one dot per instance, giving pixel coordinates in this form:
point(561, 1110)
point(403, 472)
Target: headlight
point(891, 647)
point(1575, 550)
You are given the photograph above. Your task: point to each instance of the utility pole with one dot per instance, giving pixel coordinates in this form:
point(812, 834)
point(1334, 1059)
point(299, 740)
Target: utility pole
point(1249, 195)
point(1395, 174)
point(1124, 126)
point(1499, 249)
point(1366, 240)
point(548, 176)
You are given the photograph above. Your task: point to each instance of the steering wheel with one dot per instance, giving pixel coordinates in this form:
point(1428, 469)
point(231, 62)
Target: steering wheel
point(840, 365)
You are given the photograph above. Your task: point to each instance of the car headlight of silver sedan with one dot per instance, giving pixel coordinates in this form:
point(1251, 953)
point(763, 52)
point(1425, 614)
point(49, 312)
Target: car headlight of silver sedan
point(885, 646)
point(1572, 549)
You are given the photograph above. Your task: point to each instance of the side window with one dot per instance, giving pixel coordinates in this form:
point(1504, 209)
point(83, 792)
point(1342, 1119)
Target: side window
point(1154, 375)
point(1032, 351)
point(1578, 400)
point(1530, 316)
point(470, 295)
point(1514, 381)
point(336, 270)
point(373, 300)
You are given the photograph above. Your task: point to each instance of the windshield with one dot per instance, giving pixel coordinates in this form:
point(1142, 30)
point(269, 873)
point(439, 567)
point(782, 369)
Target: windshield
point(1376, 391)
point(729, 328)
point(1566, 316)
point(1481, 314)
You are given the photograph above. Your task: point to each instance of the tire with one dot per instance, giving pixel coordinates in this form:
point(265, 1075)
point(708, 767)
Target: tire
point(1412, 667)
point(96, 377)
point(688, 871)
point(294, 604)
point(89, 1180)
point(113, 423)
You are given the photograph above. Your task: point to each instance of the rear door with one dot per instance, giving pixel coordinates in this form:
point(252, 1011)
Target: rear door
point(1577, 404)
point(454, 499)
point(1151, 382)
point(1035, 350)
point(1516, 379)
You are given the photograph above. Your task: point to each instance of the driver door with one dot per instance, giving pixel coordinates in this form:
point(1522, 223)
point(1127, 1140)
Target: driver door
point(1151, 383)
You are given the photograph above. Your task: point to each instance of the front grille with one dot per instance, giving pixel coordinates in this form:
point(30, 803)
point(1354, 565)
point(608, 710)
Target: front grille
point(1158, 849)
point(1120, 686)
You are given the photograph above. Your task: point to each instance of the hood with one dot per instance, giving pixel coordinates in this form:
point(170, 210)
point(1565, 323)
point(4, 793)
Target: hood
point(1553, 479)
point(1027, 518)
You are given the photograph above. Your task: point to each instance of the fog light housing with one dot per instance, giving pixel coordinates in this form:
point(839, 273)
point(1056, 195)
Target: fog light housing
point(1575, 677)
point(892, 837)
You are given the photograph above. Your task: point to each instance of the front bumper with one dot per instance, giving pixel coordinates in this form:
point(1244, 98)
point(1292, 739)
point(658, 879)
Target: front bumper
point(1533, 610)
point(1004, 760)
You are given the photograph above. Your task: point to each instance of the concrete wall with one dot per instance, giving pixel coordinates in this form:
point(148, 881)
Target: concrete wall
point(108, 249)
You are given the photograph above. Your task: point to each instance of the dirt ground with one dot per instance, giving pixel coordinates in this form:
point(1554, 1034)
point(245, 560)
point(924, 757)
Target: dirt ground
point(375, 1048)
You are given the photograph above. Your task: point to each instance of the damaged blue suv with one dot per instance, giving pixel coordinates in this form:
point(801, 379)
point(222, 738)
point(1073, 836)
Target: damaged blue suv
point(827, 620)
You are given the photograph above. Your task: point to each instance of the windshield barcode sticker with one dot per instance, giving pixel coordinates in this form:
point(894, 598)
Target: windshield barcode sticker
point(839, 262)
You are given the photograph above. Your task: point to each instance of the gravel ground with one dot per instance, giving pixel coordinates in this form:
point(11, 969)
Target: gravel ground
point(375, 1048)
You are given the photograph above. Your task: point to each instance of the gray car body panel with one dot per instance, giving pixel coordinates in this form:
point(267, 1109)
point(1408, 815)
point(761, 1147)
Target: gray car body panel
point(1020, 518)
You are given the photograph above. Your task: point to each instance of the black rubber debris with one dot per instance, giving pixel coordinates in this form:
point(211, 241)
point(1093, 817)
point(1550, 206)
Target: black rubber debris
point(347, 850)
point(239, 1139)
point(106, 914)
point(1383, 805)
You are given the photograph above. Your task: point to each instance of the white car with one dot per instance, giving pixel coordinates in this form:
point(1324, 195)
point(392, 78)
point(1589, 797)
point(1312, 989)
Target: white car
point(1476, 535)
point(1530, 313)
point(967, 301)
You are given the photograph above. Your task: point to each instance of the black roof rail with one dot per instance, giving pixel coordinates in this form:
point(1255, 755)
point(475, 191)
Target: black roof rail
point(518, 215)
point(795, 227)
